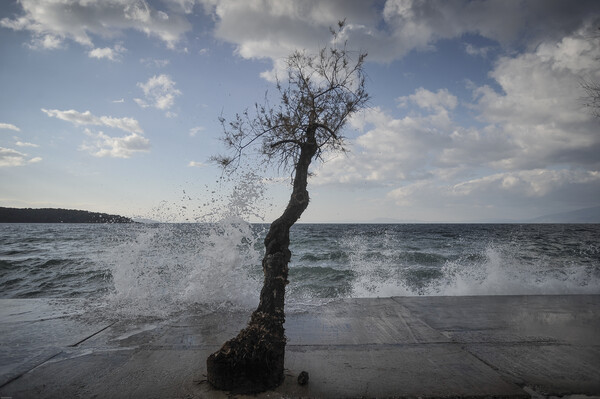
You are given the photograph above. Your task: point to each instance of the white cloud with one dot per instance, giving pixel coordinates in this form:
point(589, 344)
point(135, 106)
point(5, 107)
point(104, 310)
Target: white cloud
point(539, 109)
point(194, 164)
point(534, 142)
point(115, 147)
point(126, 124)
point(8, 126)
point(159, 92)
point(526, 183)
point(195, 130)
point(398, 149)
point(156, 63)
point(274, 28)
point(43, 42)
point(112, 54)
point(441, 100)
point(392, 150)
point(471, 147)
point(187, 6)
point(477, 51)
point(52, 22)
point(19, 143)
point(10, 158)
point(141, 102)
point(86, 118)
point(104, 145)
point(518, 194)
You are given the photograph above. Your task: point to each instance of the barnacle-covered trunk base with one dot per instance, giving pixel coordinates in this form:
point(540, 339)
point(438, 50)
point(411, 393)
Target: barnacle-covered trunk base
point(251, 362)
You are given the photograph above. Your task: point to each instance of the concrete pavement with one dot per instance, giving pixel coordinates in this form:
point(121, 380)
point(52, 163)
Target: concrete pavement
point(484, 346)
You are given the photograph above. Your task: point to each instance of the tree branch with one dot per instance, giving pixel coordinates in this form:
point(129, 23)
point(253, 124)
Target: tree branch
point(280, 142)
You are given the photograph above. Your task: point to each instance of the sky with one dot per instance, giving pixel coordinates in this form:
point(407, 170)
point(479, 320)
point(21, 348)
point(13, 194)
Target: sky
point(477, 111)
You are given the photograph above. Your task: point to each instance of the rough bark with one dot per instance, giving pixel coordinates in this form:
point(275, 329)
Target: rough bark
point(254, 360)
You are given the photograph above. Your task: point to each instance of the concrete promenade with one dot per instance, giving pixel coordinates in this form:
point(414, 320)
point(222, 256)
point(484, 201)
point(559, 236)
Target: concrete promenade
point(484, 346)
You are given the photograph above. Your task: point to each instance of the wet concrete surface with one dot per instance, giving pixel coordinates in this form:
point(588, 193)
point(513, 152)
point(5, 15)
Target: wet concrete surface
point(483, 346)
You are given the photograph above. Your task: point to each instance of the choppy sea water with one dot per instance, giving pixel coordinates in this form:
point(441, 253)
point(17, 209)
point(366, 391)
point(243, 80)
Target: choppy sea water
point(144, 269)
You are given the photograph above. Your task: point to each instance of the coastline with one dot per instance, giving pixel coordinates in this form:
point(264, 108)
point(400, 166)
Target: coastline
point(55, 215)
point(463, 346)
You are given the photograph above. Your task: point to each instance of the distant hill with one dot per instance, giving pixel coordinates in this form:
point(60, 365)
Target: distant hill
point(51, 215)
point(588, 215)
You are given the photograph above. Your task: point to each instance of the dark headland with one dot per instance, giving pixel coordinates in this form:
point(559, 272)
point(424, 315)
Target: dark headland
point(52, 215)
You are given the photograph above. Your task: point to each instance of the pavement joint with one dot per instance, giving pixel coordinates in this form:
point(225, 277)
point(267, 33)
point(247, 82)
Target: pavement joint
point(386, 347)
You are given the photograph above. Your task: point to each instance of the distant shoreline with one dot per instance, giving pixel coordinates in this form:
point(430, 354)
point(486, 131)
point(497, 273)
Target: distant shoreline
point(55, 215)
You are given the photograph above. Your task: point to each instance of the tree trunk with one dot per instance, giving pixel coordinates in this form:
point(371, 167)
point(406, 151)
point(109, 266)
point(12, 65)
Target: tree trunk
point(253, 361)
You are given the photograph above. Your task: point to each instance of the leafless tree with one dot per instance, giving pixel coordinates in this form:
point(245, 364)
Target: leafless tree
point(592, 88)
point(592, 97)
point(321, 91)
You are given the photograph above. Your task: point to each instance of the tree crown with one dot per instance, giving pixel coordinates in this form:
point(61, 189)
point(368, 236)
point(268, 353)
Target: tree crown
point(321, 91)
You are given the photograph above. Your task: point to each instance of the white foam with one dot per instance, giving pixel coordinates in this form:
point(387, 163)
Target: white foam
point(165, 268)
point(497, 272)
point(503, 274)
point(224, 275)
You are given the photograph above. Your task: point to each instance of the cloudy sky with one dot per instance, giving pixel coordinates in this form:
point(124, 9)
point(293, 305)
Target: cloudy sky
point(477, 111)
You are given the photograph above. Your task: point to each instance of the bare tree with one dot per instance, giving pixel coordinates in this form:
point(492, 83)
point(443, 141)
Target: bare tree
point(592, 88)
point(592, 98)
point(321, 91)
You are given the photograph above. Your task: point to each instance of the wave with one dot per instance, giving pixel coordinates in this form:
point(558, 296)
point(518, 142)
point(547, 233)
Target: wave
point(324, 256)
point(495, 271)
point(164, 268)
point(319, 282)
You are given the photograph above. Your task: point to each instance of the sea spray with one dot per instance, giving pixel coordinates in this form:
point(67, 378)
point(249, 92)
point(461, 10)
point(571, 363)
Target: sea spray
point(469, 267)
point(162, 268)
point(168, 267)
point(148, 272)
point(504, 270)
point(228, 274)
point(375, 266)
point(337, 261)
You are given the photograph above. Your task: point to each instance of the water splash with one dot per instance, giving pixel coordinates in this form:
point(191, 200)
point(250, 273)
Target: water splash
point(503, 272)
point(229, 272)
point(165, 268)
point(376, 268)
point(495, 269)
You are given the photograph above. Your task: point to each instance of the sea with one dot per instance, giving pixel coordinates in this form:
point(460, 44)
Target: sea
point(157, 269)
